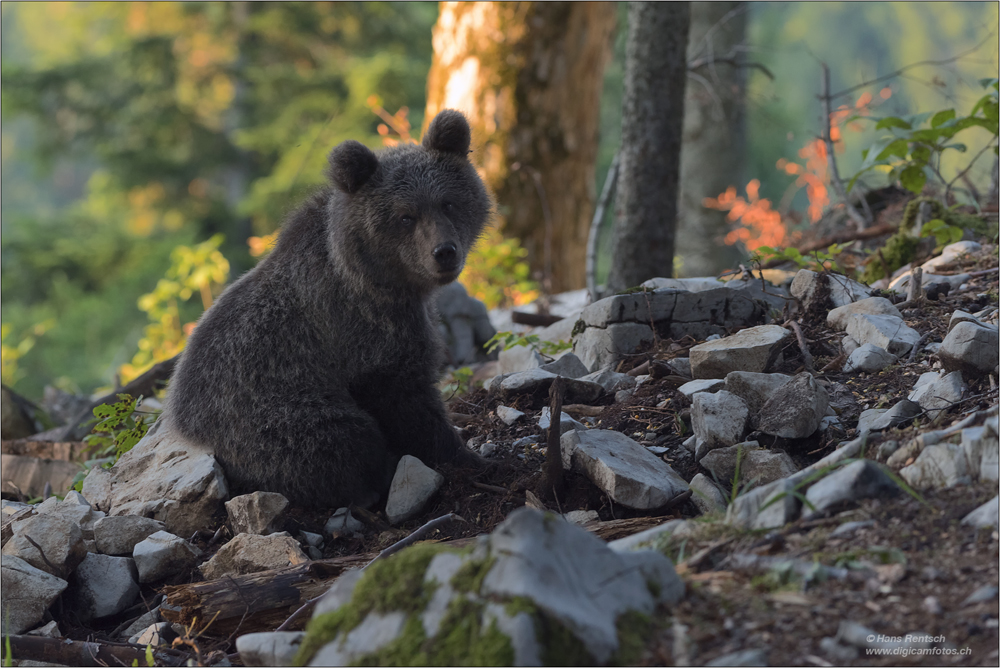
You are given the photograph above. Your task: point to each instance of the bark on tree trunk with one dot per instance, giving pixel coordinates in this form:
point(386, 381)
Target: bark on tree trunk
point(652, 117)
point(712, 156)
point(529, 75)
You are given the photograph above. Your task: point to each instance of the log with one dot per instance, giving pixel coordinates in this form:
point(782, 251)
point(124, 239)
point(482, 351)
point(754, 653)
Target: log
point(66, 652)
point(534, 319)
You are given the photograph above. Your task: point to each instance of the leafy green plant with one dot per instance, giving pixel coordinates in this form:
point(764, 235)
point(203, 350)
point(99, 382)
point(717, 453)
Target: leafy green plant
point(911, 152)
point(459, 382)
point(505, 340)
point(818, 260)
point(942, 231)
point(116, 431)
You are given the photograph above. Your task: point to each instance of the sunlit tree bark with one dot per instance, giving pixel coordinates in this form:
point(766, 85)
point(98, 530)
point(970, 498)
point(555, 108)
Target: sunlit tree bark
point(652, 117)
point(529, 76)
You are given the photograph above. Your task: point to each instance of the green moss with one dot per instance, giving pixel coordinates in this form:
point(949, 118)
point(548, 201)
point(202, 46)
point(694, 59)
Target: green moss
point(579, 327)
point(392, 584)
point(469, 577)
point(633, 633)
point(898, 250)
point(519, 604)
point(638, 288)
point(560, 646)
point(913, 207)
point(654, 588)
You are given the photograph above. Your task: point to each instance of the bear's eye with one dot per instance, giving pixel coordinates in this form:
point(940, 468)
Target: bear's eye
point(407, 221)
point(448, 207)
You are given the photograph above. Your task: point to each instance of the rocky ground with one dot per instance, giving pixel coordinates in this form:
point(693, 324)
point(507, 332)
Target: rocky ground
point(796, 472)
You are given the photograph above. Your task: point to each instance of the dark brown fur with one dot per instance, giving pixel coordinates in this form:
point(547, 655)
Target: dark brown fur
point(315, 371)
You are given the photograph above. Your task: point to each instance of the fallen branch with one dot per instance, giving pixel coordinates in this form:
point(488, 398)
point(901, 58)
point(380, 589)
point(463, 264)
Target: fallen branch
point(145, 385)
point(916, 346)
point(807, 358)
point(66, 652)
point(552, 481)
point(534, 319)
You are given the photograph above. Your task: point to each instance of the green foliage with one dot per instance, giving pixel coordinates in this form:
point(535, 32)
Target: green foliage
point(899, 249)
point(117, 431)
point(505, 340)
point(459, 382)
point(942, 231)
point(911, 153)
point(496, 274)
point(819, 260)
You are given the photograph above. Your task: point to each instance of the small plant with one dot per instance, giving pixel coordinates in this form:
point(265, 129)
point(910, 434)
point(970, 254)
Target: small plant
point(116, 432)
point(911, 153)
point(942, 231)
point(505, 340)
point(459, 382)
point(819, 260)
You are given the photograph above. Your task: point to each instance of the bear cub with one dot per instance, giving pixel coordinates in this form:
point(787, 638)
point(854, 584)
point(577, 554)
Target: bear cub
point(315, 372)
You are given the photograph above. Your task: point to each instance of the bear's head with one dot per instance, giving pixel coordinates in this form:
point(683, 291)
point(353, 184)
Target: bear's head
point(410, 213)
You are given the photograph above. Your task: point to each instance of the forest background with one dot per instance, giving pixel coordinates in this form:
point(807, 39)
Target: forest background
point(149, 150)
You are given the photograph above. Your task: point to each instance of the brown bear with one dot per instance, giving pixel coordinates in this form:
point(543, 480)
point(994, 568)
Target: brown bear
point(315, 372)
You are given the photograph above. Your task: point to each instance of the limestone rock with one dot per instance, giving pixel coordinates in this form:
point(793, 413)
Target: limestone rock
point(600, 347)
point(971, 348)
point(274, 648)
point(936, 393)
point(631, 475)
point(839, 316)
point(748, 511)
point(885, 331)
point(754, 388)
point(566, 421)
point(103, 586)
point(519, 358)
point(693, 387)
point(756, 464)
point(250, 553)
point(878, 419)
point(938, 466)
point(160, 633)
point(509, 415)
point(985, 515)
point(26, 593)
point(806, 286)
point(256, 513)
point(342, 521)
point(863, 479)
point(949, 254)
point(412, 486)
point(752, 349)
point(161, 555)
point(795, 409)
point(48, 542)
point(868, 358)
point(120, 534)
point(706, 494)
point(165, 477)
point(718, 420)
point(535, 381)
point(567, 366)
point(610, 380)
point(464, 324)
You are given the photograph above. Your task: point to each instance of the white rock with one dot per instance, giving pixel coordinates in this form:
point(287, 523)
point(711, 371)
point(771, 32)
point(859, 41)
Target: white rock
point(885, 331)
point(795, 409)
point(985, 515)
point(509, 415)
point(274, 648)
point(26, 593)
point(950, 253)
point(566, 421)
point(688, 284)
point(751, 349)
point(439, 574)
point(756, 465)
point(116, 535)
point(646, 538)
point(251, 553)
point(539, 380)
point(980, 446)
point(748, 511)
point(718, 420)
point(848, 344)
point(162, 554)
point(839, 316)
point(581, 516)
point(692, 387)
point(610, 380)
point(970, 347)
point(412, 486)
point(938, 466)
point(342, 521)
point(706, 495)
point(103, 586)
point(520, 629)
point(589, 589)
point(626, 471)
point(961, 316)
point(754, 388)
point(877, 419)
point(58, 539)
point(747, 657)
point(936, 393)
point(519, 358)
point(371, 635)
point(862, 479)
point(256, 513)
point(165, 477)
point(842, 289)
point(73, 508)
point(143, 622)
point(868, 358)
point(599, 347)
point(154, 634)
point(567, 366)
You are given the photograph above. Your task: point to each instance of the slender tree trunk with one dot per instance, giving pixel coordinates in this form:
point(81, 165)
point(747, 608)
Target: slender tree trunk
point(529, 75)
point(652, 118)
point(712, 154)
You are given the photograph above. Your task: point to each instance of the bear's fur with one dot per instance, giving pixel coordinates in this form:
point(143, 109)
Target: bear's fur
point(315, 372)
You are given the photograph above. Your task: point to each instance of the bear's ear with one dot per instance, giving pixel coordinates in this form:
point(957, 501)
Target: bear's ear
point(449, 132)
point(352, 164)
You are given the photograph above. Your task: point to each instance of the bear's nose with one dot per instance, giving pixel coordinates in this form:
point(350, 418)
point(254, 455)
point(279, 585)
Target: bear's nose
point(447, 256)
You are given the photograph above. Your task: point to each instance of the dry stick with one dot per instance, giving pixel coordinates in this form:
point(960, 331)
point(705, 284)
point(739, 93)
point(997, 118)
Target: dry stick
point(63, 651)
point(807, 358)
point(916, 346)
point(842, 238)
point(392, 549)
point(553, 456)
point(831, 158)
point(915, 291)
point(595, 226)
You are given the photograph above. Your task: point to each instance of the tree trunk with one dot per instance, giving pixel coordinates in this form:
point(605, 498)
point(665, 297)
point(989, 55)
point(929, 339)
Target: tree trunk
point(652, 117)
point(713, 137)
point(529, 75)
